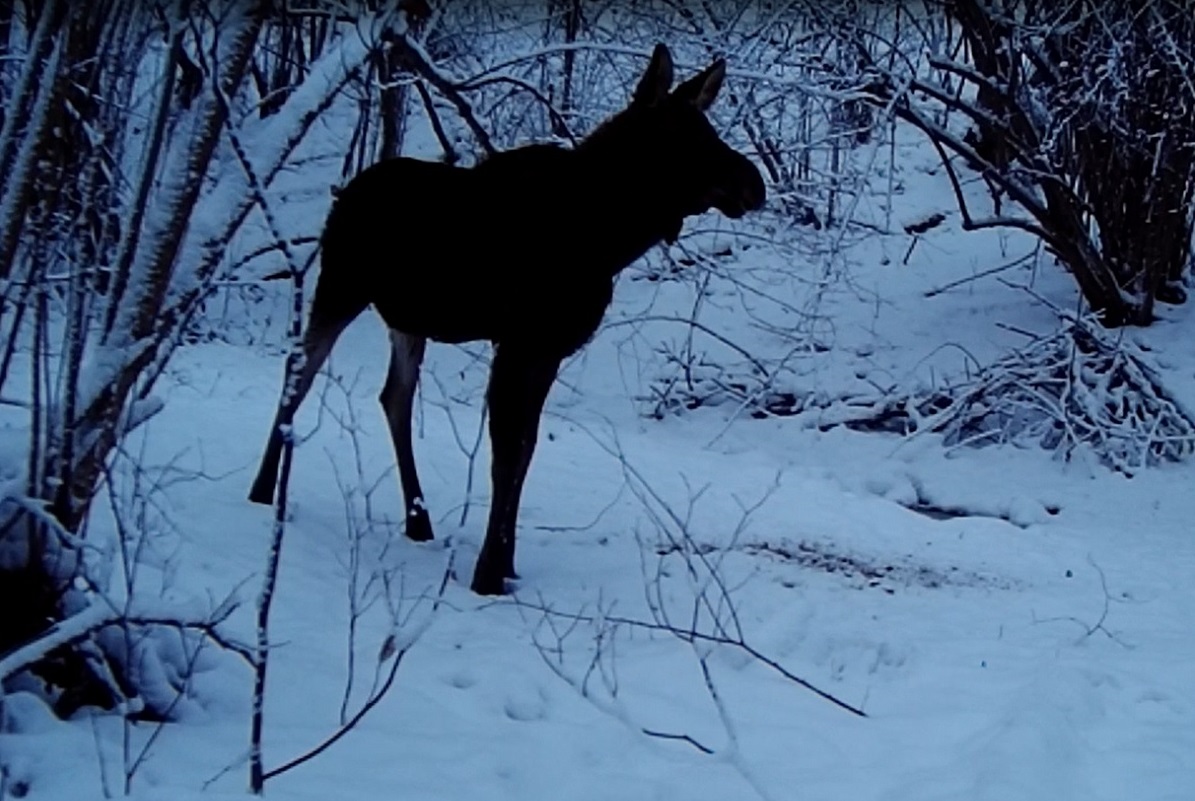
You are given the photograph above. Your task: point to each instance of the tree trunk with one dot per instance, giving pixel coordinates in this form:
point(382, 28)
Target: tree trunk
point(71, 449)
point(26, 125)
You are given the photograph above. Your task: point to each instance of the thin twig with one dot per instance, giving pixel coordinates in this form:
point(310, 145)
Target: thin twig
point(743, 646)
point(381, 690)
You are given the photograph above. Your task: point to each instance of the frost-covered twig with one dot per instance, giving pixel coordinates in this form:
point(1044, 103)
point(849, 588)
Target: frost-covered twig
point(742, 645)
point(732, 754)
point(393, 650)
point(1000, 268)
point(278, 530)
point(361, 526)
point(600, 663)
point(471, 450)
point(424, 65)
point(274, 556)
point(1098, 625)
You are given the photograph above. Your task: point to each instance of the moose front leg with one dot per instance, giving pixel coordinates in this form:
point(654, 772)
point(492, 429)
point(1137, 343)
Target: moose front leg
point(519, 384)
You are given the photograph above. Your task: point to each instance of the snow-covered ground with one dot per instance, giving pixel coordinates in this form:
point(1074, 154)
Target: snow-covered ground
point(1040, 644)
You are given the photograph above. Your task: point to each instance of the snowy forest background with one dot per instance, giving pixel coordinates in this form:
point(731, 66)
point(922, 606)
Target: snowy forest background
point(915, 438)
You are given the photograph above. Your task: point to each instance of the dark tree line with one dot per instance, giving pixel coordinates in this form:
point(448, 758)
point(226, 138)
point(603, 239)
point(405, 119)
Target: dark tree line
point(1082, 116)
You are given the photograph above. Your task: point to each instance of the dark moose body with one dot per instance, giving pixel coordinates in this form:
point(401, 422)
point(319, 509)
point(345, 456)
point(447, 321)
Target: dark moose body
point(504, 253)
point(521, 250)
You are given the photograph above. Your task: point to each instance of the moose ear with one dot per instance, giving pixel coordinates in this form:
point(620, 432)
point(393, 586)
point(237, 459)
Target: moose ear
point(655, 83)
point(702, 88)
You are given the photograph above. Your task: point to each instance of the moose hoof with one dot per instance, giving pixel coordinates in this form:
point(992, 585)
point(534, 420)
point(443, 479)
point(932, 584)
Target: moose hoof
point(488, 582)
point(419, 526)
point(262, 493)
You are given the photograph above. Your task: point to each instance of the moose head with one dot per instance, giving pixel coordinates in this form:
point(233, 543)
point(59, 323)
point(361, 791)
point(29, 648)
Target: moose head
point(676, 148)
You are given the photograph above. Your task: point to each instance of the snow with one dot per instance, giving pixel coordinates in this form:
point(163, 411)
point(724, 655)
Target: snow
point(1036, 644)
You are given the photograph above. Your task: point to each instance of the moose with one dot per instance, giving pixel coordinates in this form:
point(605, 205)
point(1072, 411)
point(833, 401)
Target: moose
point(529, 243)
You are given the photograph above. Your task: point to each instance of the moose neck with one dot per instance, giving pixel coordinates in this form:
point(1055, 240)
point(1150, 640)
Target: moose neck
point(626, 195)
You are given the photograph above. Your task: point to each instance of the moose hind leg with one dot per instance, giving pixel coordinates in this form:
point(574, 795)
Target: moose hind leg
point(301, 369)
point(519, 385)
point(406, 355)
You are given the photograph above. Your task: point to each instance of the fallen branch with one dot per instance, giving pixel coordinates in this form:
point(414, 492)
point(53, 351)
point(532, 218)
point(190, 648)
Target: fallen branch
point(98, 616)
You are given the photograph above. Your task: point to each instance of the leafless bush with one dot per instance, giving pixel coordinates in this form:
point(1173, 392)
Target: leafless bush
point(1078, 390)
